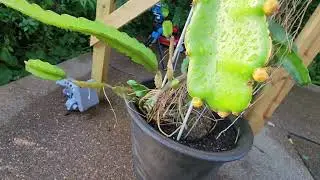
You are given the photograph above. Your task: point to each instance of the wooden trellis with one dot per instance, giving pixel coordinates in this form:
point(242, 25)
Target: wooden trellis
point(117, 18)
point(308, 43)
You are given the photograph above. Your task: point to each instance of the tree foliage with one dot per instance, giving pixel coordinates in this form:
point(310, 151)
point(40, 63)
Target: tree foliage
point(23, 38)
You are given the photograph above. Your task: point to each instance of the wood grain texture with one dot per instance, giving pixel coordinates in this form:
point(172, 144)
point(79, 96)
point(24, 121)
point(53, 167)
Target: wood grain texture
point(273, 94)
point(101, 51)
point(125, 14)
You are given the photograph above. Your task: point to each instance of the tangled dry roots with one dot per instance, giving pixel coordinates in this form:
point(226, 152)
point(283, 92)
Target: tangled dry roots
point(291, 15)
point(167, 105)
point(170, 109)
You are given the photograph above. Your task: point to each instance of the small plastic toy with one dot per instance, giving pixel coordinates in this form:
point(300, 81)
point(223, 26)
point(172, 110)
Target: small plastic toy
point(157, 12)
point(80, 99)
point(157, 34)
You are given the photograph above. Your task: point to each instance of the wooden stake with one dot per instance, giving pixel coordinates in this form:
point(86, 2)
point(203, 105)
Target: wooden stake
point(125, 14)
point(101, 51)
point(274, 93)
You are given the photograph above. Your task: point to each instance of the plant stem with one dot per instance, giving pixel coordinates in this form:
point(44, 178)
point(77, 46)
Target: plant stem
point(94, 85)
point(181, 40)
point(169, 73)
point(169, 85)
point(185, 121)
point(237, 138)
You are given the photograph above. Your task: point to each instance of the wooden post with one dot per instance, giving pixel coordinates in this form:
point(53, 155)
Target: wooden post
point(101, 51)
point(125, 14)
point(273, 94)
point(117, 18)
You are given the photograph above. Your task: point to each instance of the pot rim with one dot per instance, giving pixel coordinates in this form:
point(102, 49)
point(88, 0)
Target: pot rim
point(243, 146)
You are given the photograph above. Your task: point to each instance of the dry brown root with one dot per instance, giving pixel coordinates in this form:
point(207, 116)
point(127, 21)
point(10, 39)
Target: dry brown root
point(147, 102)
point(166, 101)
point(171, 108)
point(156, 97)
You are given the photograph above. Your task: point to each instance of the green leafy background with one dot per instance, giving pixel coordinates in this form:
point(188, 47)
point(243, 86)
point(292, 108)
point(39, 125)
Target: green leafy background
point(22, 38)
point(314, 70)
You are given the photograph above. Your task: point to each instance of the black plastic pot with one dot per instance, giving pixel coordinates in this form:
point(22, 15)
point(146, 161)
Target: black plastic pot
point(156, 157)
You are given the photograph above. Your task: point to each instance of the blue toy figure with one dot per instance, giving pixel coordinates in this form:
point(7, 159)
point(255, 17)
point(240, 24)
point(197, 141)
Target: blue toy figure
point(157, 12)
point(157, 23)
point(80, 99)
point(156, 37)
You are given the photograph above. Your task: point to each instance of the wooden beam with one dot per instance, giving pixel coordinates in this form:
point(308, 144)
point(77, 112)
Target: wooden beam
point(125, 14)
point(308, 40)
point(274, 93)
point(101, 52)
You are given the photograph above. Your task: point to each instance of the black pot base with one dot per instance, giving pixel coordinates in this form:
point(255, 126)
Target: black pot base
point(156, 157)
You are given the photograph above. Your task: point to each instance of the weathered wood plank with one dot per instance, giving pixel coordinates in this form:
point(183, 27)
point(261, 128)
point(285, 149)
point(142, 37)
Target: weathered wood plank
point(125, 14)
point(273, 94)
point(101, 52)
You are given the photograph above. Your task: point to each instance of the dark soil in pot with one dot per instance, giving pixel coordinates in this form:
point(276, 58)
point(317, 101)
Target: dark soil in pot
point(203, 135)
point(209, 142)
point(156, 157)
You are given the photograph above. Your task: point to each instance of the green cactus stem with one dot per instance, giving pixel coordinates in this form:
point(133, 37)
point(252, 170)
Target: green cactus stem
point(225, 50)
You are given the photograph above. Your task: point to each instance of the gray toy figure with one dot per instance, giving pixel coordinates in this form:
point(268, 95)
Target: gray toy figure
point(78, 98)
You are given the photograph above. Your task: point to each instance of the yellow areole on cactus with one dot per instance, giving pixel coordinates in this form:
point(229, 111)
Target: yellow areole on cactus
point(197, 102)
point(270, 7)
point(260, 75)
point(225, 50)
